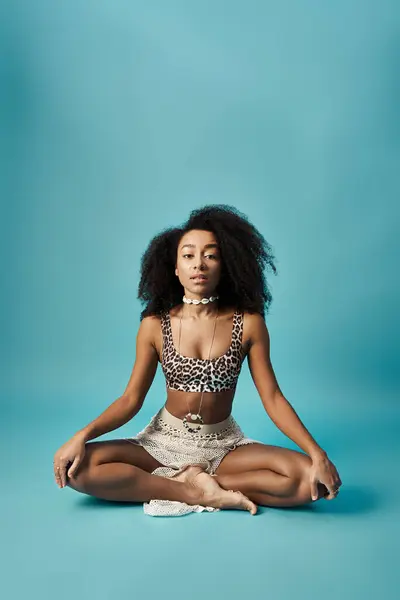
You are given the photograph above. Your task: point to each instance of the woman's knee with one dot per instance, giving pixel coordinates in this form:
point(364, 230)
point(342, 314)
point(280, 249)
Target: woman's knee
point(83, 472)
point(304, 486)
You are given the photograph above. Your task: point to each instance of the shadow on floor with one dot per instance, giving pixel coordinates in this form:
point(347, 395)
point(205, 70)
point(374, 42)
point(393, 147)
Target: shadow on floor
point(350, 501)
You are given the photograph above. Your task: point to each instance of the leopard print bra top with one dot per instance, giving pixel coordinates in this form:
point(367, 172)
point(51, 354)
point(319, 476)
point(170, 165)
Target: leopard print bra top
point(189, 374)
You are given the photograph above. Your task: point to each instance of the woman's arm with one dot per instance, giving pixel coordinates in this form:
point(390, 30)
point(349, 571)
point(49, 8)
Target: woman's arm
point(276, 405)
point(142, 376)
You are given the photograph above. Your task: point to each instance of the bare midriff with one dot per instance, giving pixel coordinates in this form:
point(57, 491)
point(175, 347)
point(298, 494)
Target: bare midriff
point(216, 406)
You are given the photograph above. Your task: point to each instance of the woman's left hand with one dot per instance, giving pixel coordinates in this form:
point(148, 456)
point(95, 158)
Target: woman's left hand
point(323, 470)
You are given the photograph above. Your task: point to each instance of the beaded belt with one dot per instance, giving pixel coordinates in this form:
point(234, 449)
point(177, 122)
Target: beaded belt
point(166, 416)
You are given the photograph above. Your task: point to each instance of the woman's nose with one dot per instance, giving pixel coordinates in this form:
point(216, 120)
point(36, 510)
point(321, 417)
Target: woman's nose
point(199, 264)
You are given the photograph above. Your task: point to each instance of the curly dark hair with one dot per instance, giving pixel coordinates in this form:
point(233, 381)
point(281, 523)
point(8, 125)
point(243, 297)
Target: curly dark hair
point(244, 255)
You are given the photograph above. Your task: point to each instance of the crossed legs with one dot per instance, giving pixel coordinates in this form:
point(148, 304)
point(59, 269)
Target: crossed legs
point(267, 475)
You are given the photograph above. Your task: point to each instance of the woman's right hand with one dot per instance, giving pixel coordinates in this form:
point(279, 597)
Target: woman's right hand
point(73, 452)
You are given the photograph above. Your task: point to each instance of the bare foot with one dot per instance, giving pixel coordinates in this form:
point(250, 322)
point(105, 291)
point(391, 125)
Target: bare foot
point(188, 473)
point(209, 493)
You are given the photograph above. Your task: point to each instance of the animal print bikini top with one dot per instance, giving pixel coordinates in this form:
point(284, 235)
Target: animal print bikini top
point(189, 374)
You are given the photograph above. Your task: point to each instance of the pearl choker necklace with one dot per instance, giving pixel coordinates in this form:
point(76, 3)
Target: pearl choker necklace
point(202, 301)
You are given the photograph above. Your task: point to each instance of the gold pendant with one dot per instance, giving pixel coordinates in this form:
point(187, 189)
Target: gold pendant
point(194, 417)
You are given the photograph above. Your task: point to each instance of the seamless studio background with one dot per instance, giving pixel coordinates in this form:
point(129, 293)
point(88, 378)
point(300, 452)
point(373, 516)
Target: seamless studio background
point(119, 118)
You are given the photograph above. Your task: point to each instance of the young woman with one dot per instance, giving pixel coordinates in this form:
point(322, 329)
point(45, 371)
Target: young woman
point(206, 294)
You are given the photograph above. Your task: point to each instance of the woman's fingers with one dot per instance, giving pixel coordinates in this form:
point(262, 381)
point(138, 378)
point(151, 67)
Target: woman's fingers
point(63, 472)
point(60, 469)
point(74, 467)
point(333, 489)
point(57, 474)
point(314, 488)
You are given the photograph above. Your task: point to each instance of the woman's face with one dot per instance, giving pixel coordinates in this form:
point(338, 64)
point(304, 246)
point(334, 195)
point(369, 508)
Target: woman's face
point(198, 255)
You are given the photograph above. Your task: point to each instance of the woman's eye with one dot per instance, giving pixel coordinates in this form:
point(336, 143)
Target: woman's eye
point(207, 255)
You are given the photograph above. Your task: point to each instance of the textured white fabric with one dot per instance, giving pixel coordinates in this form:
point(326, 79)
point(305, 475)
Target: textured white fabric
point(175, 448)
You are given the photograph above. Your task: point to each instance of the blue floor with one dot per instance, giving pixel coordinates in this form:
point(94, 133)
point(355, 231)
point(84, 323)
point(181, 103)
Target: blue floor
point(62, 544)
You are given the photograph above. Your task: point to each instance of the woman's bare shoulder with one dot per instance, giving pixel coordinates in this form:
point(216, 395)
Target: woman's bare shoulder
point(150, 328)
point(151, 319)
point(150, 322)
point(150, 332)
point(253, 326)
point(253, 321)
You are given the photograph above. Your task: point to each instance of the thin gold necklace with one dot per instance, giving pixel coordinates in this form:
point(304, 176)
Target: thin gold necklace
point(194, 416)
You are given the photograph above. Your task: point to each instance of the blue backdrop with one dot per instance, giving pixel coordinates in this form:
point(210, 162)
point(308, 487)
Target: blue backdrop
point(117, 119)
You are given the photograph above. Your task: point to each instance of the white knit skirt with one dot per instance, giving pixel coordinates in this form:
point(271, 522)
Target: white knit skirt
point(167, 440)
